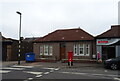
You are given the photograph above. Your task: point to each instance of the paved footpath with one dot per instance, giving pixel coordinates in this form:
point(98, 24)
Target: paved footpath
point(52, 64)
point(10, 63)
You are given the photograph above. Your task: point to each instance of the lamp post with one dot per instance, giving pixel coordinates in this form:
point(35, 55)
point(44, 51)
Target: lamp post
point(19, 54)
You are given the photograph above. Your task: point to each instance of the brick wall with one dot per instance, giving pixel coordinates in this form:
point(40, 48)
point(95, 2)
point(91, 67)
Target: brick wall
point(36, 50)
point(69, 47)
point(56, 51)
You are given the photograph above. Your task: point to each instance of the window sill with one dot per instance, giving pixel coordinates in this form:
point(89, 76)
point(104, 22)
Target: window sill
point(78, 55)
point(47, 55)
point(86, 55)
point(81, 55)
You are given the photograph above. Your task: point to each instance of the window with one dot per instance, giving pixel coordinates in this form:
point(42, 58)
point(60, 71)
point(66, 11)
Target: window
point(87, 49)
point(50, 50)
point(41, 50)
point(81, 49)
point(78, 49)
point(45, 49)
point(75, 49)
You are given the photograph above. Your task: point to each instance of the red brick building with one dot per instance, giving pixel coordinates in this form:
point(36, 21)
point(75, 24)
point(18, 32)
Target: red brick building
point(108, 43)
point(56, 45)
point(9, 49)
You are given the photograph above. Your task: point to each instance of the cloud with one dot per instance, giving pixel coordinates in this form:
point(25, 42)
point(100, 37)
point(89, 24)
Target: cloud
point(40, 17)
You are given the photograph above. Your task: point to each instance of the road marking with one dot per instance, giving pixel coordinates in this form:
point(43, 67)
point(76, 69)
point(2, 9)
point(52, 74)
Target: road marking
point(64, 72)
point(38, 65)
point(74, 73)
point(117, 79)
point(79, 73)
point(46, 72)
point(25, 80)
point(90, 74)
point(1, 71)
point(35, 73)
point(9, 68)
point(17, 66)
point(106, 71)
point(85, 74)
point(105, 75)
point(39, 76)
point(111, 75)
point(57, 69)
point(30, 78)
point(49, 68)
point(97, 74)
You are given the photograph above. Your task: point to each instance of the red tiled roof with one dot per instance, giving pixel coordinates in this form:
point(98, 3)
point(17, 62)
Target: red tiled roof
point(113, 32)
point(66, 35)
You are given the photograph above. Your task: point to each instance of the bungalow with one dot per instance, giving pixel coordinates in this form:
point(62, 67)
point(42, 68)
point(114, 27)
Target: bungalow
point(56, 45)
point(9, 51)
point(10, 48)
point(108, 43)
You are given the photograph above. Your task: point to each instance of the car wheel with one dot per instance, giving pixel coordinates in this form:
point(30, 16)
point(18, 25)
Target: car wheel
point(114, 66)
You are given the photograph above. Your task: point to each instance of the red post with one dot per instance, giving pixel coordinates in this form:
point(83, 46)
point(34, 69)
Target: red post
point(70, 58)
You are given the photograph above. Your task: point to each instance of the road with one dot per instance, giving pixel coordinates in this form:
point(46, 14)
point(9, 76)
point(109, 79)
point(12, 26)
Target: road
point(52, 71)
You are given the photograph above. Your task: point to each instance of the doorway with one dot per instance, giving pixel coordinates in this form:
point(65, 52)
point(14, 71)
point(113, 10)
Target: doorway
point(62, 51)
point(111, 52)
point(108, 52)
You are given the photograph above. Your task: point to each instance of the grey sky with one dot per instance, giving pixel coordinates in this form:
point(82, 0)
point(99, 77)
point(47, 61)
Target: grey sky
point(40, 17)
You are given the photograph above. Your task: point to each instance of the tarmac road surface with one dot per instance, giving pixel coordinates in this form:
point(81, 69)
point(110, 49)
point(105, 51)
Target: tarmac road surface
point(41, 71)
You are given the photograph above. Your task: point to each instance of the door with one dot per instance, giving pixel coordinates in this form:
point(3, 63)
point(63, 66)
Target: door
point(9, 58)
point(62, 51)
point(104, 52)
point(111, 52)
point(108, 52)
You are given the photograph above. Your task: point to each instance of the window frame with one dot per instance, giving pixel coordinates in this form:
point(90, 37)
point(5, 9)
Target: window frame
point(50, 50)
point(41, 51)
point(78, 47)
point(46, 50)
point(81, 47)
point(75, 50)
point(87, 49)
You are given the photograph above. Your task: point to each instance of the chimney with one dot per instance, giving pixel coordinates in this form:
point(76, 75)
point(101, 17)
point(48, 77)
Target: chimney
point(115, 26)
point(115, 29)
